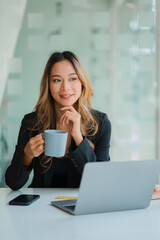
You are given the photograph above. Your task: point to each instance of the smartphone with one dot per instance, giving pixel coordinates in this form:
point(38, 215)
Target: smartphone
point(24, 199)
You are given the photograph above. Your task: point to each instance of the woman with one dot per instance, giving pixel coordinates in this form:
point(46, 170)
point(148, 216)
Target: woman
point(65, 104)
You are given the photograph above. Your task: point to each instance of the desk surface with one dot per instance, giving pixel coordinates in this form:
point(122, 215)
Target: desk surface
point(40, 220)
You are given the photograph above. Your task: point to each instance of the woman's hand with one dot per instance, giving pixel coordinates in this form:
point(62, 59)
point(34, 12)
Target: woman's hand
point(33, 148)
point(73, 118)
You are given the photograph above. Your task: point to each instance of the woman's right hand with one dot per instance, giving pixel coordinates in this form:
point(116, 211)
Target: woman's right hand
point(33, 148)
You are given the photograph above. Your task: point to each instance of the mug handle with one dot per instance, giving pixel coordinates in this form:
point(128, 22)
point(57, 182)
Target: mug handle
point(41, 134)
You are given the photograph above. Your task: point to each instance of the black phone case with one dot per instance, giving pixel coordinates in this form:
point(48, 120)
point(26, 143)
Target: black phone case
point(24, 199)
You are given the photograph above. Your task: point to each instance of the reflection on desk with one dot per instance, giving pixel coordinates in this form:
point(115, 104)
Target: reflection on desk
point(40, 220)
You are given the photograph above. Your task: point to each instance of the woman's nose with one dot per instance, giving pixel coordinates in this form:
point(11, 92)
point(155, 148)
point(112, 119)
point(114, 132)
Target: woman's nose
point(65, 85)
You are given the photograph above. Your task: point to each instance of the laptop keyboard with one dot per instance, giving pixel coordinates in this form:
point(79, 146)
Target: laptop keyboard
point(71, 207)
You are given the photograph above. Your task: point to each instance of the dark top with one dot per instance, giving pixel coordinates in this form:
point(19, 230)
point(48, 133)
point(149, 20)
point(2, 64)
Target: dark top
point(63, 172)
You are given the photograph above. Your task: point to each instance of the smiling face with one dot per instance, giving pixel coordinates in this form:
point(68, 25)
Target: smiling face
point(65, 86)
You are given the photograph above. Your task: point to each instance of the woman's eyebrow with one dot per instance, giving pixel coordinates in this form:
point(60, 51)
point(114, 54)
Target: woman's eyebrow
point(55, 76)
point(72, 74)
point(60, 75)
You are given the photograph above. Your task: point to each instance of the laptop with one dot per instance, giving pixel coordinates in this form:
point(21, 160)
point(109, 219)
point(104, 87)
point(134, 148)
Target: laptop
point(113, 186)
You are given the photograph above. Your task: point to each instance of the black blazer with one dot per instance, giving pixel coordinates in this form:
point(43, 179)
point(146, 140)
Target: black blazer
point(16, 175)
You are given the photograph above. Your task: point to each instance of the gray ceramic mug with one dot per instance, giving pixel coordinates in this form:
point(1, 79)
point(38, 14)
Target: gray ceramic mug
point(55, 142)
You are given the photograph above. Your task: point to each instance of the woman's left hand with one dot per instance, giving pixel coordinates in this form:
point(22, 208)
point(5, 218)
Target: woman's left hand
point(73, 118)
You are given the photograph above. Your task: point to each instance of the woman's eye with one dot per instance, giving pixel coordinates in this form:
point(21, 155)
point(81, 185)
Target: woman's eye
point(73, 79)
point(56, 80)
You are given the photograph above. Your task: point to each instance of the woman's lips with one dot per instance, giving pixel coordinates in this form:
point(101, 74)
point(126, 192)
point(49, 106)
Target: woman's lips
point(66, 96)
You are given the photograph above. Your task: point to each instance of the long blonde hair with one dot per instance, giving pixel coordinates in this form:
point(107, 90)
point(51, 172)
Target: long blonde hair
point(45, 105)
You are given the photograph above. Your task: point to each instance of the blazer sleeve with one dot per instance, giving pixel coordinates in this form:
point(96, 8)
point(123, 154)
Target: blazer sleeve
point(16, 175)
point(84, 153)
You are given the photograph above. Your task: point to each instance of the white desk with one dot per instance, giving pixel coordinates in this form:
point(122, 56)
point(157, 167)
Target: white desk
point(40, 220)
